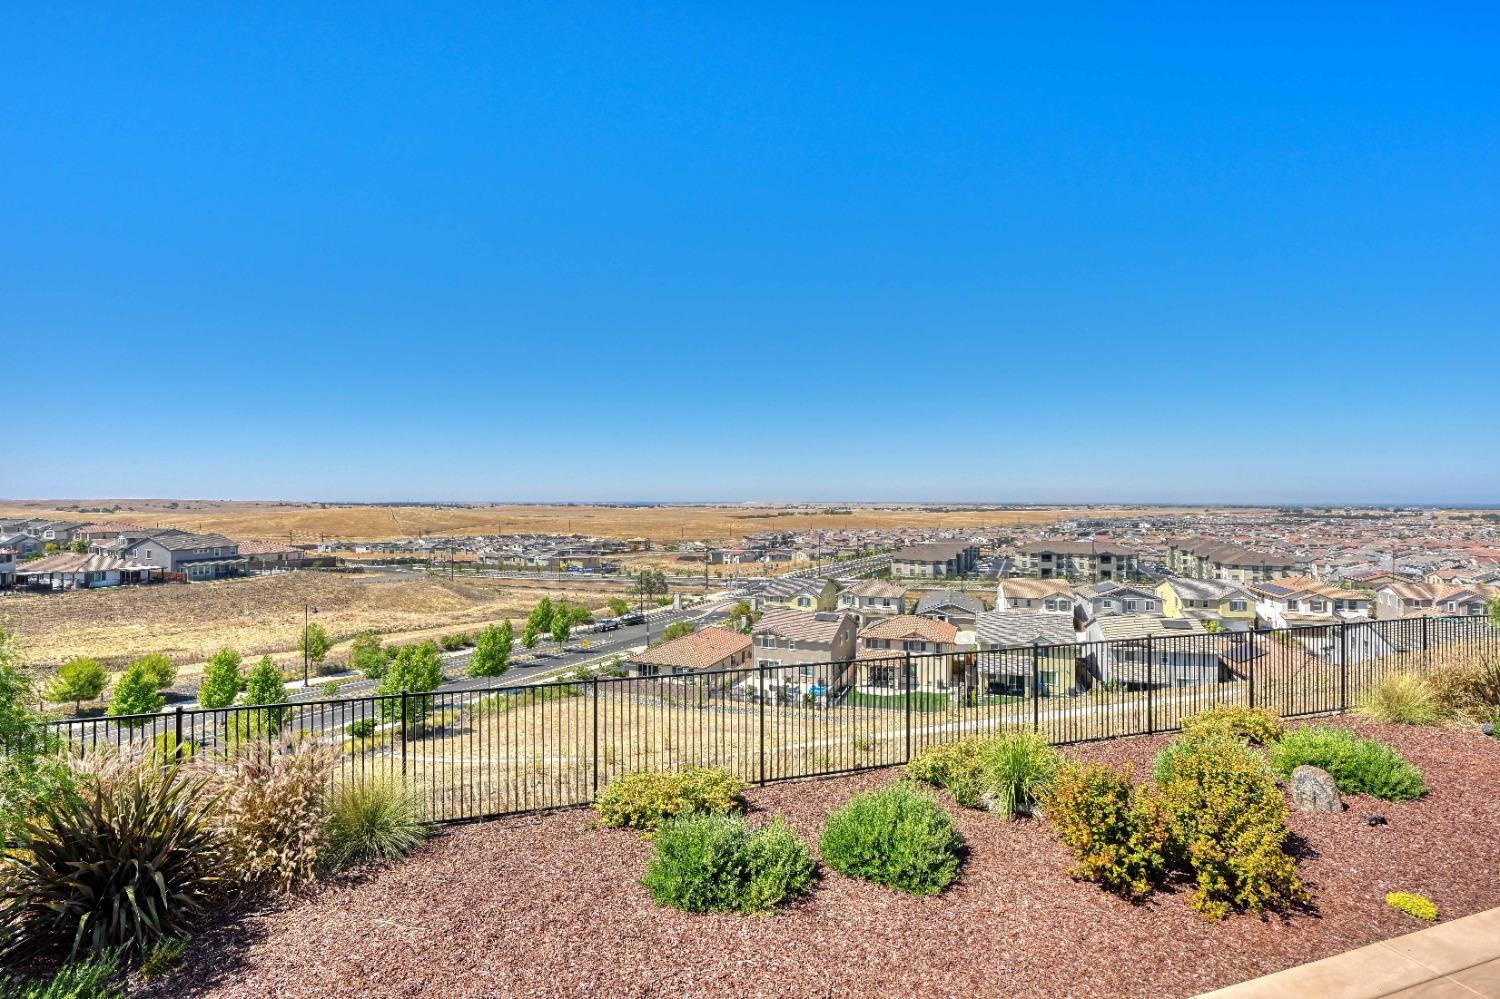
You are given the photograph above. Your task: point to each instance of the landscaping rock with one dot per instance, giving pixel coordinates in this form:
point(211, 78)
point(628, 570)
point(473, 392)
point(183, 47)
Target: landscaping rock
point(1313, 790)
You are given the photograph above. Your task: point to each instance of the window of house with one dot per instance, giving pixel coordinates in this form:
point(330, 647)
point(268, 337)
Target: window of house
point(1130, 605)
point(1065, 605)
point(1318, 605)
point(1236, 605)
point(806, 670)
point(1151, 605)
point(1052, 605)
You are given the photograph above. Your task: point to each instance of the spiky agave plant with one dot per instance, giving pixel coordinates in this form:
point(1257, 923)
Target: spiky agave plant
point(124, 862)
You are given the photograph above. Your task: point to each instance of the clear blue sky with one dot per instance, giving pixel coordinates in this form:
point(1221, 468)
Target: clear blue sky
point(717, 251)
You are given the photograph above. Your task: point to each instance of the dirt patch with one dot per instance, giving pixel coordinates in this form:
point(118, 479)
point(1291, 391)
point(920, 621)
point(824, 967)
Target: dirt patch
point(261, 614)
point(547, 907)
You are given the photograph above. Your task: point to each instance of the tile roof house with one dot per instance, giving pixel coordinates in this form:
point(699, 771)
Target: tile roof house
point(885, 645)
point(707, 649)
point(1107, 598)
point(1206, 558)
point(953, 606)
point(1024, 654)
point(1054, 596)
point(868, 599)
point(74, 570)
point(820, 645)
point(801, 594)
point(1297, 601)
point(1137, 651)
point(195, 556)
point(1229, 604)
point(935, 559)
point(1398, 600)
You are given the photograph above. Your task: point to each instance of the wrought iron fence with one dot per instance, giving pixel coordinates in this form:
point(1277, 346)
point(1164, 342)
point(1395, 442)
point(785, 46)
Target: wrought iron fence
point(484, 753)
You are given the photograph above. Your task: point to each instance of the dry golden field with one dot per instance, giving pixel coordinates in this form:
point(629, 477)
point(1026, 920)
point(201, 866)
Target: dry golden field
point(262, 614)
point(244, 520)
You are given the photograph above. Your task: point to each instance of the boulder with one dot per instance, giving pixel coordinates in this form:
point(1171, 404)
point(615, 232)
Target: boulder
point(1313, 790)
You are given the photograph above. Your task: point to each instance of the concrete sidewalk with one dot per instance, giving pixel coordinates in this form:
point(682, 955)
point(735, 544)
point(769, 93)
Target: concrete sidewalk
point(1457, 960)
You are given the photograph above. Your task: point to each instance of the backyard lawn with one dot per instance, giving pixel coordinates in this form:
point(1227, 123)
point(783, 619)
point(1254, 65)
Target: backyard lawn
point(553, 906)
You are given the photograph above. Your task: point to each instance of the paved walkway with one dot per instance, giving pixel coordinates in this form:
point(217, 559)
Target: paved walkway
point(1457, 960)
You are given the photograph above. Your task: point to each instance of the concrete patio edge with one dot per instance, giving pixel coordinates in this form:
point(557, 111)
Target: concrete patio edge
point(1458, 959)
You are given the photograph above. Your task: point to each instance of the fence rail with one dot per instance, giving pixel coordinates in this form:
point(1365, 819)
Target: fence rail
point(485, 753)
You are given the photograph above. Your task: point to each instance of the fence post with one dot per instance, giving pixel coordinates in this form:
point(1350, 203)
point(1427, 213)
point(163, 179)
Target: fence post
point(594, 683)
point(1150, 687)
point(404, 707)
point(1343, 667)
point(177, 718)
point(1251, 662)
point(1424, 643)
point(761, 689)
point(1036, 692)
point(908, 680)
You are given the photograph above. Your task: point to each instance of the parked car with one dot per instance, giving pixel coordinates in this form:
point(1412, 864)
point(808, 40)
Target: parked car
point(607, 624)
point(634, 617)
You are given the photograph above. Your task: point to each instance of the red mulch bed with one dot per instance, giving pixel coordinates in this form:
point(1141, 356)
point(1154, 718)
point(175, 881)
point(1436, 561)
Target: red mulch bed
point(546, 907)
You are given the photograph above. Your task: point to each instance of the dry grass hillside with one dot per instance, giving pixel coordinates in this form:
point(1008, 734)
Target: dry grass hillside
point(312, 521)
point(260, 614)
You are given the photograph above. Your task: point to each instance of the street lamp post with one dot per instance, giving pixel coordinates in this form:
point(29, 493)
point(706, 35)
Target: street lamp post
point(307, 610)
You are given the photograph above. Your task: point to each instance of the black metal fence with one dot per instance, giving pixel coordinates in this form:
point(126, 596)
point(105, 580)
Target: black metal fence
point(484, 753)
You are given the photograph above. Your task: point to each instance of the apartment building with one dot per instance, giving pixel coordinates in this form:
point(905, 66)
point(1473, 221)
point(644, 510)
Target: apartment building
point(935, 560)
point(1091, 560)
point(1205, 558)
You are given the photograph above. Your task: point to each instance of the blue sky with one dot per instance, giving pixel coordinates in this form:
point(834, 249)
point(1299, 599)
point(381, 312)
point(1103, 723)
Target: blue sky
point(716, 251)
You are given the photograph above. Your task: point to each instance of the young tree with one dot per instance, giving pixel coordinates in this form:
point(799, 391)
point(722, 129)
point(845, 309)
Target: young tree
point(80, 546)
point(492, 651)
point(562, 627)
point(367, 656)
point(649, 583)
point(77, 680)
point(676, 630)
point(618, 606)
point(415, 668)
point(161, 669)
point(542, 614)
point(265, 686)
point(135, 694)
point(222, 681)
point(314, 643)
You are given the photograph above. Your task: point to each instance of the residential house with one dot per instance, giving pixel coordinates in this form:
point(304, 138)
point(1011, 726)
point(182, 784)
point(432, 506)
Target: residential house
point(269, 556)
point(24, 545)
point(7, 567)
point(801, 594)
point(112, 530)
point(954, 606)
point(80, 571)
point(1137, 651)
point(1205, 558)
point(935, 560)
point(1106, 598)
point(1093, 560)
point(1022, 652)
point(698, 652)
point(54, 532)
point(821, 646)
point(1397, 600)
point(868, 599)
point(1297, 601)
point(195, 556)
point(926, 646)
point(1230, 605)
point(1054, 596)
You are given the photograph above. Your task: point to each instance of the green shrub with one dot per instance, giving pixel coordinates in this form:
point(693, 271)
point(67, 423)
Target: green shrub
point(163, 959)
point(716, 863)
point(645, 799)
point(95, 977)
point(1006, 774)
point(1228, 827)
point(125, 861)
point(366, 655)
point(1163, 764)
point(361, 728)
point(954, 767)
point(1118, 833)
point(222, 680)
point(372, 820)
point(1256, 725)
point(1405, 698)
point(899, 837)
point(31, 773)
point(1413, 905)
point(1357, 765)
point(1016, 771)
